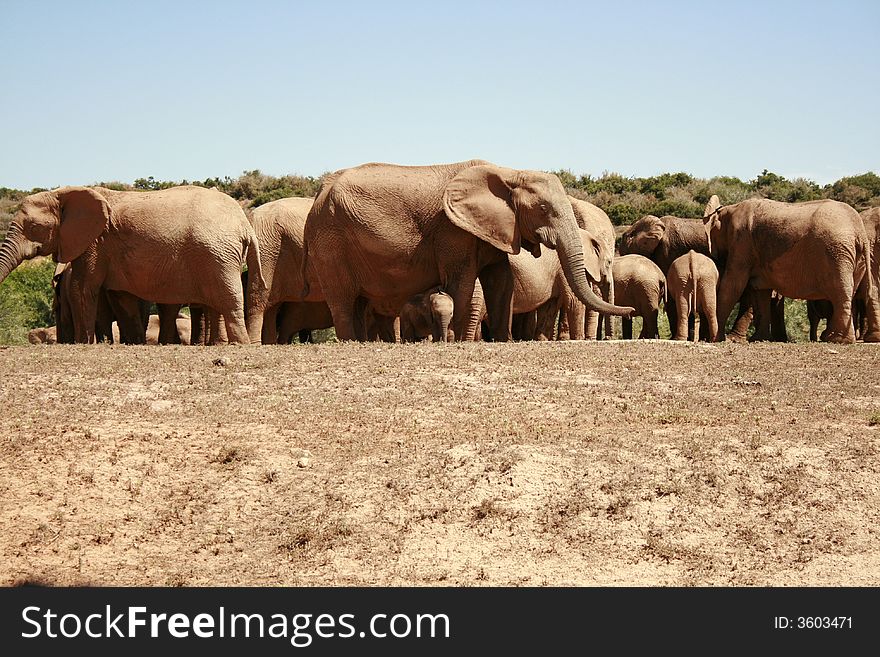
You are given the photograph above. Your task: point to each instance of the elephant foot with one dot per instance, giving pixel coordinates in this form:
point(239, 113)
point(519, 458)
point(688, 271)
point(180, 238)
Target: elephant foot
point(873, 336)
point(836, 338)
point(737, 338)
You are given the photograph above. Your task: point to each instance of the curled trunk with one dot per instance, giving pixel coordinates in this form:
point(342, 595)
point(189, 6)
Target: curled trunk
point(13, 251)
point(571, 257)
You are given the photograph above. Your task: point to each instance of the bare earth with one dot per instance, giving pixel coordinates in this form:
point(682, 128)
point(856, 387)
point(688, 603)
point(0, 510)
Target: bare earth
point(647, 463)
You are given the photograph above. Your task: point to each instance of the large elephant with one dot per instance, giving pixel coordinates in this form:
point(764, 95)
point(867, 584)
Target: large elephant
point(387, 232)
point(279, 228)
point(865, 313)
point(691, 282)
point(540, 285)
point(810, 250)
point(638, 282)
point(595, 221)
point(180, 245)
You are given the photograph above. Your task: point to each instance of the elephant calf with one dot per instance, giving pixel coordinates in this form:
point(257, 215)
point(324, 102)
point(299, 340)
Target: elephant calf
point(639, 283)
point(43, 335)
point(692, 280)
point(426, 314)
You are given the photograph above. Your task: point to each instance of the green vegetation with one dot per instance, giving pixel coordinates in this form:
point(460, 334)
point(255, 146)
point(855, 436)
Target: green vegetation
point(26, 296)
point(681, 195)
point(26, 300)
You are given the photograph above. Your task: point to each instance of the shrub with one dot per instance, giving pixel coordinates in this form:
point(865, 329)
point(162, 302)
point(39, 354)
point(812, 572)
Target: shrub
point(26, 300)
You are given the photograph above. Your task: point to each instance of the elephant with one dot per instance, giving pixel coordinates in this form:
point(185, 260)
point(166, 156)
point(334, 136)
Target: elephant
point(425, 315)
point(864, 302)
point(387, 232)
point(640, 283)
point(809, 250)
point(596, 222)
point(43, 335)
point(691, 282)
point(540, 283)
point(663, 239)
point(184, 244)
point(868, 308)
point(279, 228)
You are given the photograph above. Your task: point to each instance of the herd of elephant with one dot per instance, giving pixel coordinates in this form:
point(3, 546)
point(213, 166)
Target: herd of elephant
point(448, 252)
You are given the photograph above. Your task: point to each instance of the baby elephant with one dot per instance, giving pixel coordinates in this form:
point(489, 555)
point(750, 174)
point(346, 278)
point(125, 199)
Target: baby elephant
point(426, 314)
point(692, 281)
point(639, 283)
point(43, 335)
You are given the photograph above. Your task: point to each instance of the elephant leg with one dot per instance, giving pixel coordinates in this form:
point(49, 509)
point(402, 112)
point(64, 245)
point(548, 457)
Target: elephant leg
point(682, 311)
point(813, 318)
point(128, 310)
point(346, 306)
point(840, 323)
point(730, 288)
point(649, 321)
point(626, 325)
point(578, 312)
point(269, 323)
point(497, 282)
point(608, 320)
point(762, 315)
point(236, 327)
point(547, 318)
point(256, 307)
point(168, 323)
point(199, 325)
point(83, 300)
point(778, 331)
point(305, 337)
point(671, 314)
point(104, 319)
point(744, 317)
point(591, 319)
point(708, 310)
point(563, 331)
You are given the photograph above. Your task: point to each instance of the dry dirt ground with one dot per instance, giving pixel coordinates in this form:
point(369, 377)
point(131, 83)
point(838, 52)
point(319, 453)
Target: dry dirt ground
point(615, 463)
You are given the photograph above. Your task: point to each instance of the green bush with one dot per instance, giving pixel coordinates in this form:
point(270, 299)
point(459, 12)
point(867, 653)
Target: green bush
point(622, 214)
point(26, 300)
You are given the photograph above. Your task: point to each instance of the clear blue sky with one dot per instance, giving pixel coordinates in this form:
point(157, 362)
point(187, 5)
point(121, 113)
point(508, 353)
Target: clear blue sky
point(99, 91)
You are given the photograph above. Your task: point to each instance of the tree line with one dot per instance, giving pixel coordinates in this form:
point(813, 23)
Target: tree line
point(624, 198)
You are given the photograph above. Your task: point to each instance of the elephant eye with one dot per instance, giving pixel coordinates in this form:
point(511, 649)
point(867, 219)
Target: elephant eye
point(543, 207)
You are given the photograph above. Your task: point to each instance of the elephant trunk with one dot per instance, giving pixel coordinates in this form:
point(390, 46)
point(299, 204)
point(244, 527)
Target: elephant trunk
point(14, 250)
point(571, 257)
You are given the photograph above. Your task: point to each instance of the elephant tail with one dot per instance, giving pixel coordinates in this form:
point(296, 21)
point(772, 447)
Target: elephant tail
point(863, 252)
point(252, 258)
point(692, 285)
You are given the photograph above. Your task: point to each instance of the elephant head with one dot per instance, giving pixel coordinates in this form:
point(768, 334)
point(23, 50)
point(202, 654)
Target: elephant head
point(597, 260)
point(62, 223)
point(511, 209)
point(643, 237)
point(442, 308)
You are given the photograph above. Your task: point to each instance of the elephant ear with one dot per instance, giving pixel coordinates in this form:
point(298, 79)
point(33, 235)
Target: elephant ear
point(479, 200)
point(592, 256)
point(711, 217)
point(84, 216)
point(713, 204)
point(648, 235)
